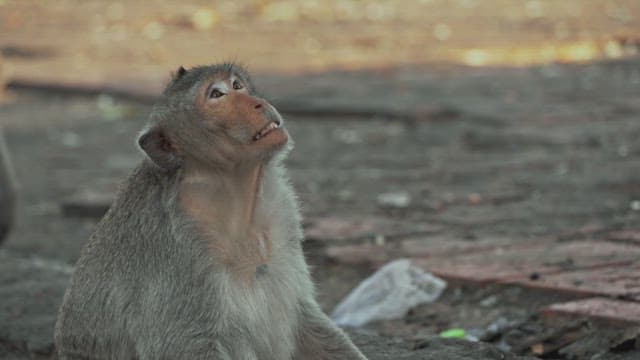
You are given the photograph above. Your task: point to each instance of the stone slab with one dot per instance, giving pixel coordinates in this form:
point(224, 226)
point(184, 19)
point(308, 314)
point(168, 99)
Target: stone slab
point(344, 229)
point(523, 263)
point(424, 247)
point(598, 307)
point(627, 235)
point(621, 281)
point(582, 267)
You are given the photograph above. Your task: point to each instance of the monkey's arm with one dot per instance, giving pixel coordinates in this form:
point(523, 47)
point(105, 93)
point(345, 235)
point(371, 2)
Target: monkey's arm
point(320, 339)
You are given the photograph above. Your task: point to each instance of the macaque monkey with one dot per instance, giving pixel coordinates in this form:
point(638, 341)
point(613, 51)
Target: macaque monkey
point(7, 190)
point(200, 255)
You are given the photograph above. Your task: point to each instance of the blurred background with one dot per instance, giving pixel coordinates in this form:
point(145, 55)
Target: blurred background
point(96, 39)
point(493, 142)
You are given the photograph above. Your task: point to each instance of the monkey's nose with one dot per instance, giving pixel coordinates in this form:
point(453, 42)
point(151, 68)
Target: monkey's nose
point(258, 106)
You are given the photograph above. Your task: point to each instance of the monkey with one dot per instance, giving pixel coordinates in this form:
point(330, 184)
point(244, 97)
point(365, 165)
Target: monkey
point(7, 190)
point(200, 255)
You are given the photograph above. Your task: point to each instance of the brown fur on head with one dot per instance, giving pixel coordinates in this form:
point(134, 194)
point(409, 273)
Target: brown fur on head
point(211, 116)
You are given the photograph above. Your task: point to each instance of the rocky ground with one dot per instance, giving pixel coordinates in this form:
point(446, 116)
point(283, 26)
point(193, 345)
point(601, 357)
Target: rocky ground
point(520, 187)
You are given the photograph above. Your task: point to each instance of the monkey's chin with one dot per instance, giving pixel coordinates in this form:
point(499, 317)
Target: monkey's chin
point(269, 146)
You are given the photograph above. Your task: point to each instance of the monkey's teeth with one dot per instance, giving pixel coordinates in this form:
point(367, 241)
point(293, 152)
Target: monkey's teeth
point(267, 129)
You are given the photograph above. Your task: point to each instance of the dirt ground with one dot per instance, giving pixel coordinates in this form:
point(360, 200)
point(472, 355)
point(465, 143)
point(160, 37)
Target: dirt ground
point(505, 125)
point(492, 165)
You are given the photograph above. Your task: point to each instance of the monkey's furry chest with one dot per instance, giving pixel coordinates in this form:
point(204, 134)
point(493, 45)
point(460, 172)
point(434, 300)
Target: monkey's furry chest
point(255, 320)
point(263, 318)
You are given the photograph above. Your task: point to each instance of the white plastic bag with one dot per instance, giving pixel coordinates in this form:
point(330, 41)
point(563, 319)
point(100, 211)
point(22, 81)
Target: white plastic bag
point(388, 294)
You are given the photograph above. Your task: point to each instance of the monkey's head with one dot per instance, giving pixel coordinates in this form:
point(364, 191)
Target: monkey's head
point(212, 116)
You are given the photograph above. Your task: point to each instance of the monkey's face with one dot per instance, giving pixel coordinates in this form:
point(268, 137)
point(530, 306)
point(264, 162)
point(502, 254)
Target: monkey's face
point(211, 114)
point(245, 124)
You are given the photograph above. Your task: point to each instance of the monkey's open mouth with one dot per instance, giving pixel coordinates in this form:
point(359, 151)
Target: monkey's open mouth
point(272, 125)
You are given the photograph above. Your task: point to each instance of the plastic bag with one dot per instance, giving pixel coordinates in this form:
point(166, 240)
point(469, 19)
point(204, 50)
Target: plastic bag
point(388, 294)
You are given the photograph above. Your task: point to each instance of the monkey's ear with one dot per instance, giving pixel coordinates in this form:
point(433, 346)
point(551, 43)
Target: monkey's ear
point(158, 147)
point(179, 73)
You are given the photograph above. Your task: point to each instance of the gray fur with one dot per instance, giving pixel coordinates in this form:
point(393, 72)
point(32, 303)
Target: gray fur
point(7, 190)
point(146, 286)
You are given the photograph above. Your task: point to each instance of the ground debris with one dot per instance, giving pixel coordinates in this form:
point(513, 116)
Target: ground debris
point(549, 341)
point(388, 294)
point(596, 344)
point(401, 199)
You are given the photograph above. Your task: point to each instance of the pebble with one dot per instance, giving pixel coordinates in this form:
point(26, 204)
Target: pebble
point(400, 199)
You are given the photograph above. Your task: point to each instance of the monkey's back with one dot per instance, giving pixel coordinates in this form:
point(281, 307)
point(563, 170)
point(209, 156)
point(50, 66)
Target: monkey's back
point(108, 280)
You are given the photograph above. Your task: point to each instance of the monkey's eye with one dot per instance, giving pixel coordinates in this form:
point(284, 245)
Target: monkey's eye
point(237, 85)
point(215, 93)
